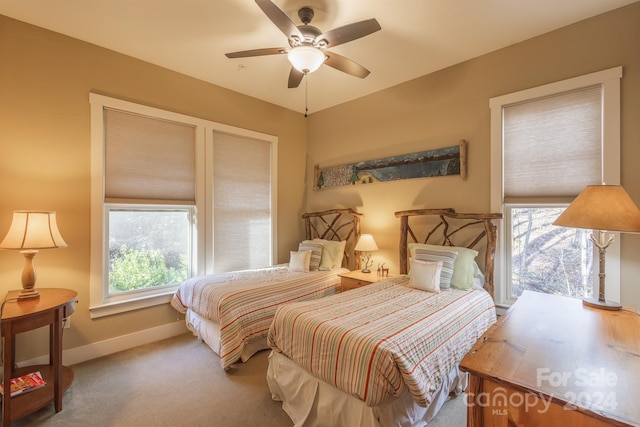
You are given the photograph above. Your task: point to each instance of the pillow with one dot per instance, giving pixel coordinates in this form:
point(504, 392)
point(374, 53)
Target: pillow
point(446, 258)
point(478, 276)
point(299, 261)
point(316, 253)
point(462, 277)
point(332, 253)
point(425, 275)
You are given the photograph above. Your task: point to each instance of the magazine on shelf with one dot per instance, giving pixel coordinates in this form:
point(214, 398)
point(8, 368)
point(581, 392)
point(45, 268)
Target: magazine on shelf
point(25, 383)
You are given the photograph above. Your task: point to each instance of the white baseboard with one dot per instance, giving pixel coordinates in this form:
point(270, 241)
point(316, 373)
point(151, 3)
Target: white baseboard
point(83, 353)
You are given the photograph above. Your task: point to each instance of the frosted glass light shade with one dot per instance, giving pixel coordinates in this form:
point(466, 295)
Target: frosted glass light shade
point(306, 59)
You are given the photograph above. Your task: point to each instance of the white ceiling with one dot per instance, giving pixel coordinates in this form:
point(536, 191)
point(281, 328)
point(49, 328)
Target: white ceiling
point(192, 36)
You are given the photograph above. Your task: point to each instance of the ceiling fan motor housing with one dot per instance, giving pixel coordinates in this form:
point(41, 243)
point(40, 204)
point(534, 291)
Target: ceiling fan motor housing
point(305, 14)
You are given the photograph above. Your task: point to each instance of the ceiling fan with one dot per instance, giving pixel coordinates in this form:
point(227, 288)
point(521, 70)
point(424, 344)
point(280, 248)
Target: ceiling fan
point(307, 44)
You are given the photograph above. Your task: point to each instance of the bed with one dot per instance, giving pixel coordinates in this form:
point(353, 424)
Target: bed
point(231, 312)
point(388, 354)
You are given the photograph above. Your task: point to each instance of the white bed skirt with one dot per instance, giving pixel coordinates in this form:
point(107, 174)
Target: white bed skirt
point(209, 332)
point(311, 402)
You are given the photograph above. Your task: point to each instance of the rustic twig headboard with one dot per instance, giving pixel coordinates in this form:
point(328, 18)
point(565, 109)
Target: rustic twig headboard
point(455, 229)
point(336, 224)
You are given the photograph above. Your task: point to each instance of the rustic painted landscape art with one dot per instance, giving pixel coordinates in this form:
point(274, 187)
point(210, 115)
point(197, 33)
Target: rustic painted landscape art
point(437, 162)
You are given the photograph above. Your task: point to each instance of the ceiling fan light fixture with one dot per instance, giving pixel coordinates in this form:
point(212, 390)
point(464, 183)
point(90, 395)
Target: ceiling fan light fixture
point(306, 59)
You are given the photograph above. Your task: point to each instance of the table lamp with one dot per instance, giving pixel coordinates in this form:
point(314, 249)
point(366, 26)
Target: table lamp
point(602, 208)
point(29, 232)
point(366, 244)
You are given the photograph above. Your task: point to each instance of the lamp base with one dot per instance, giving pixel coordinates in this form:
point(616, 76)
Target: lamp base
point(27, 294)
point(601, 304)
point(365, 270)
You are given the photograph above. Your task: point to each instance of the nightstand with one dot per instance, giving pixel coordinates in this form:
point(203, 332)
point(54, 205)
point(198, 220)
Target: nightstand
point(49, 309)
point(357, 279)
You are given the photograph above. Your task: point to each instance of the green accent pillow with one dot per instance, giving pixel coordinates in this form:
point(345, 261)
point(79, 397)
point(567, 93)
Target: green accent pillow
point(463, 266)
point(332, 253)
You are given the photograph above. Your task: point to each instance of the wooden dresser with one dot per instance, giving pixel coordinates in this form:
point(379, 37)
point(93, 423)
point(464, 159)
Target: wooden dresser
point(551, 361)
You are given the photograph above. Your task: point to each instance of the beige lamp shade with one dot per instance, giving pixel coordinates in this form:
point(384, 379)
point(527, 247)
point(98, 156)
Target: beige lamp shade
point(366, 243)
point(602, 207)
point(29, 232)
point(33, 230)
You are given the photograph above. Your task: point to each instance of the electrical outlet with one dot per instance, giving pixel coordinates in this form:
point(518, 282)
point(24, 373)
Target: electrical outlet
point(66, 323)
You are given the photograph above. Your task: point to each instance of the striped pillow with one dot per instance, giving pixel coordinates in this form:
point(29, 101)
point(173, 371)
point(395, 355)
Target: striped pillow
point(316, 253)
point(447, 259)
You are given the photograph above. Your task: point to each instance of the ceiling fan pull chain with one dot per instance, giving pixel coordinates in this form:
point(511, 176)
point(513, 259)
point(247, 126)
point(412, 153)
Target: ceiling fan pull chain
point(306, 96)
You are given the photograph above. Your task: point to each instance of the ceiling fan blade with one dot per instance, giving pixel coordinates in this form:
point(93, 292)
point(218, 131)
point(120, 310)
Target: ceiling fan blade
point(295, 77)
point(257, 52)
point(349, 32)
point(346, 65)
point(279, 18)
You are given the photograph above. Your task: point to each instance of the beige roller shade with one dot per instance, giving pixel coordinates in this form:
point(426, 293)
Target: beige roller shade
point(241, 202)
point(553, 145)
point(148, 158)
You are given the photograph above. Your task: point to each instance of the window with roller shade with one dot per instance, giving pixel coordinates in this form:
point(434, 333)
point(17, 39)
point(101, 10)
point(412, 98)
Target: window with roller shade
point(553, 142)
point(149, 175)
point(159, 181)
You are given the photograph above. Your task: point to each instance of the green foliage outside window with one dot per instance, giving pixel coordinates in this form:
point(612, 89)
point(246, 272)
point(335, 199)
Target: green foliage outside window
point(133, 269)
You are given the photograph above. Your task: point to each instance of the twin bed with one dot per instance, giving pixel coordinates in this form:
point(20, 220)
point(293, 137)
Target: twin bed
point(231, 312)
point(386, 354)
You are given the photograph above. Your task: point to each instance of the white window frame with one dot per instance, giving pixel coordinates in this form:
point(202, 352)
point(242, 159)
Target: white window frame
point(146, 292)
point(100, 303)
point(610, 82)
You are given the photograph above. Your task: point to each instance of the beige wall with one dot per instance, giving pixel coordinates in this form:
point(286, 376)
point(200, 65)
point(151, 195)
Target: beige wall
point(442, 108)
point(45, 80)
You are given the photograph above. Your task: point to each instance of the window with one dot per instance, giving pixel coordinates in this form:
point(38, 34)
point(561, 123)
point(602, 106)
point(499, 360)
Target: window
point(162, 183)
point(149, 247)
point(242, 203)
point(548, 143)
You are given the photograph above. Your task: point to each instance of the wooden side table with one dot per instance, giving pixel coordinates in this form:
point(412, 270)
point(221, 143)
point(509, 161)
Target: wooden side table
point(356, 279)
point(17, 317)
point(552, 361)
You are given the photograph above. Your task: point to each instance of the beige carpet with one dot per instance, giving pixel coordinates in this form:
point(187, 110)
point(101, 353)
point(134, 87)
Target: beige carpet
point(178, 382)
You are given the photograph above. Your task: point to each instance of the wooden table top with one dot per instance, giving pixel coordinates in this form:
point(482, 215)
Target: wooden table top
point(559, 349)
point(50, 298)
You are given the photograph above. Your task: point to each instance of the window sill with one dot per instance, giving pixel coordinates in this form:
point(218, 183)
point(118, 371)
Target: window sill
point(118, 307)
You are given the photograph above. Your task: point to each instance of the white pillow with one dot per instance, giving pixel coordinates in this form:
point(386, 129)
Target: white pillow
point(425, 275)
point(299, 261)
point(332, 253)
point(462, 277)
point(478, 276)
point(448, 259)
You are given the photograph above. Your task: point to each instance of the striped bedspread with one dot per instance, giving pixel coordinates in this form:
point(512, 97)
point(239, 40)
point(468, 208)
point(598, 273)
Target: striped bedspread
point(383, 339)
point(243, 302)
